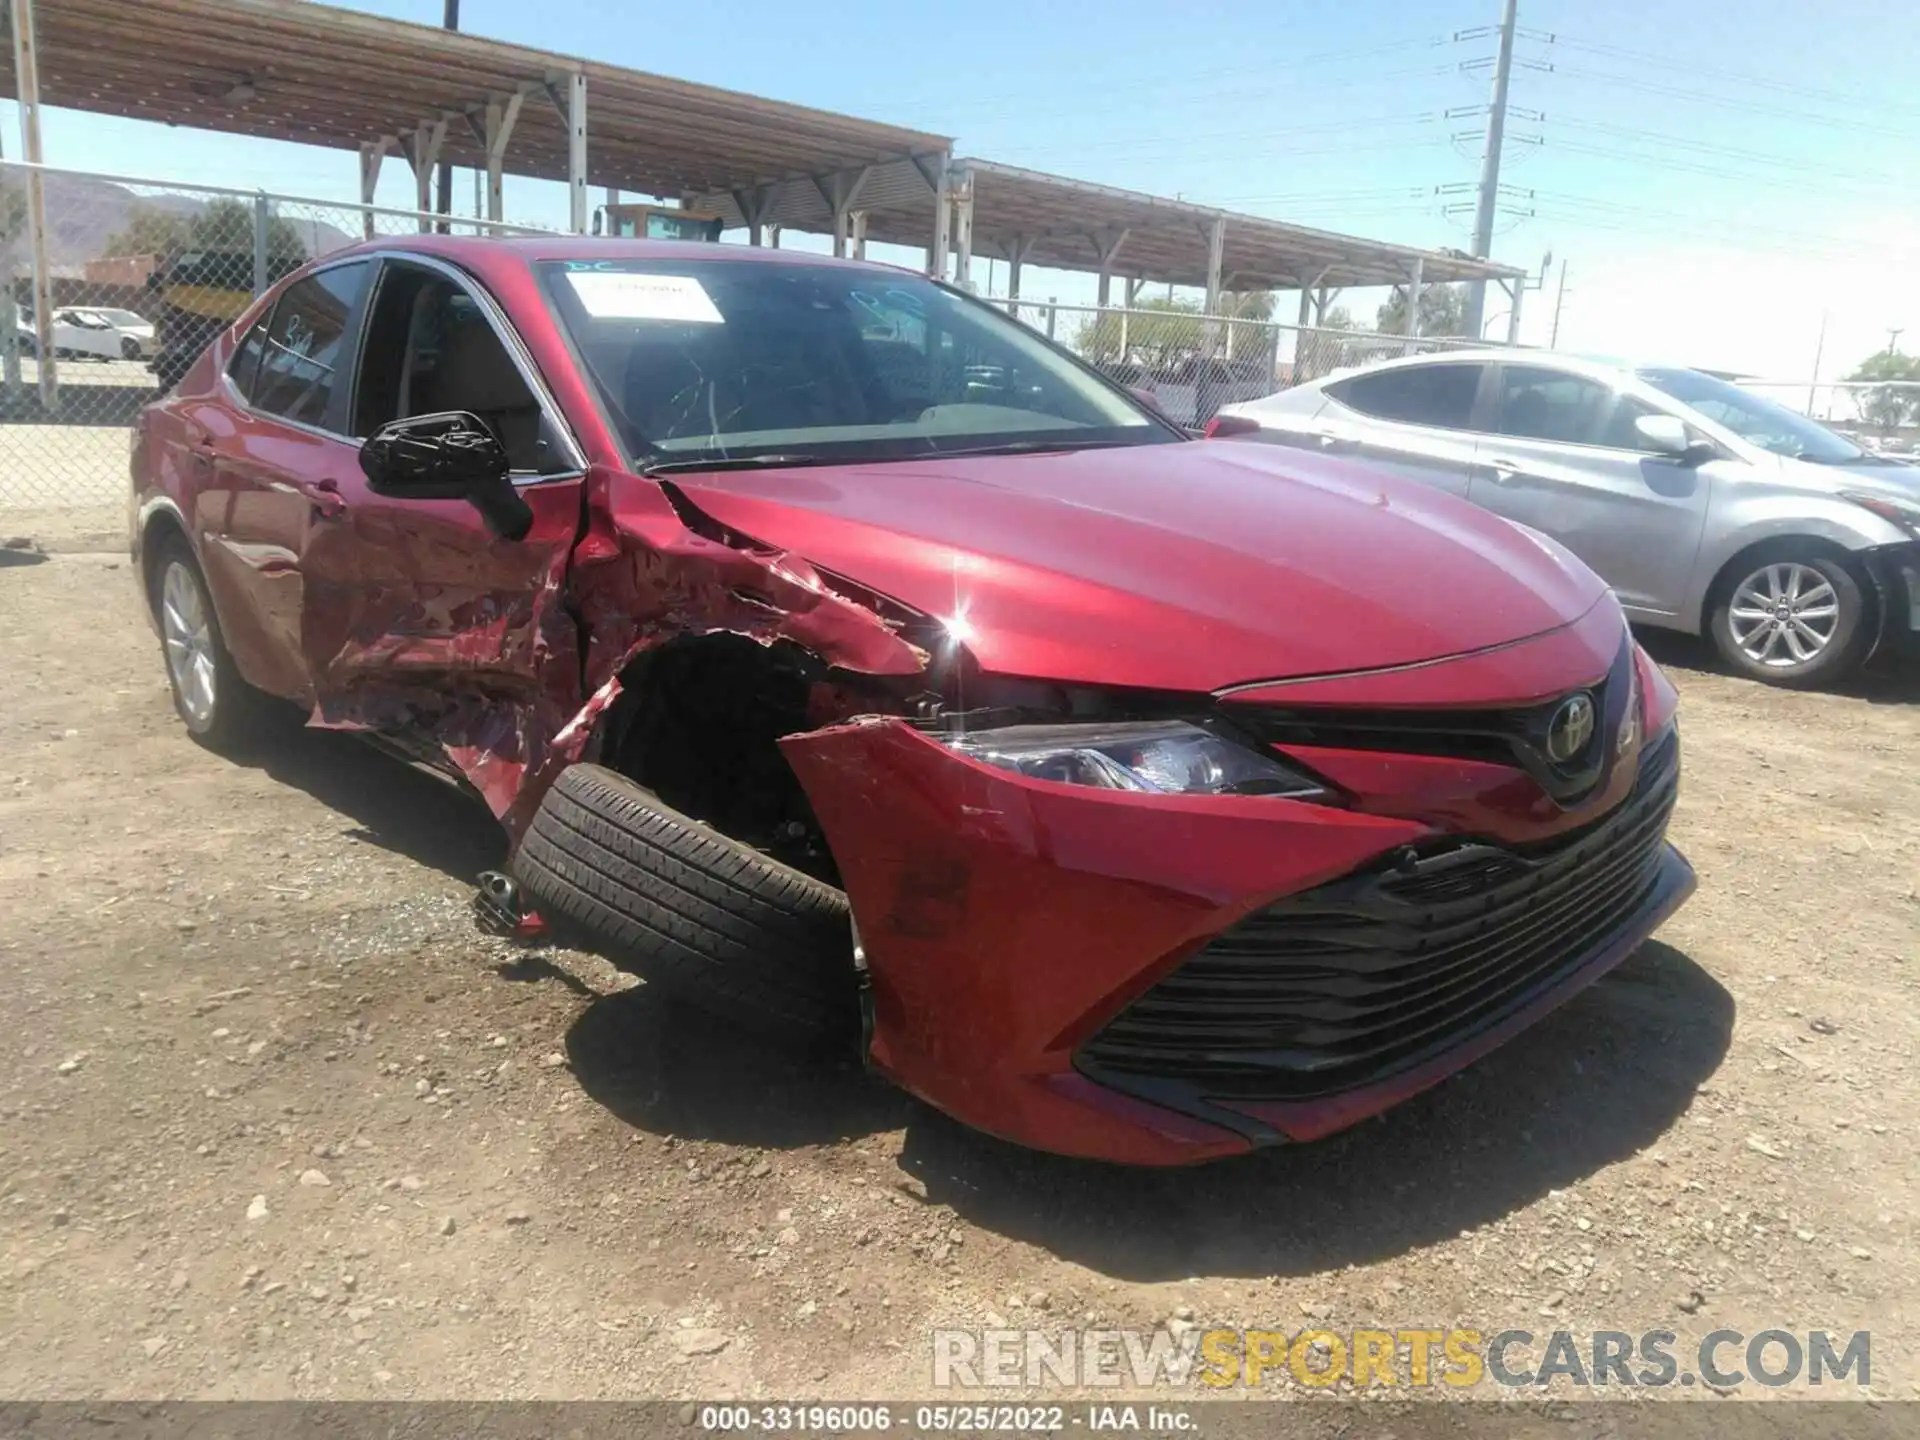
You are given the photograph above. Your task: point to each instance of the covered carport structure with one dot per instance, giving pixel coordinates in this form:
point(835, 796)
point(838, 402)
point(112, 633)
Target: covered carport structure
point(1026, 217)
point(318, 75)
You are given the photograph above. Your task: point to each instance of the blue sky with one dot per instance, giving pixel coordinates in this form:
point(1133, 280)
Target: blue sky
point(1717, 173)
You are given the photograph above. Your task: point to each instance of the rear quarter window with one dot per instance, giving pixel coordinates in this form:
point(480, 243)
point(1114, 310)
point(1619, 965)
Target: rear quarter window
point(1438, 395)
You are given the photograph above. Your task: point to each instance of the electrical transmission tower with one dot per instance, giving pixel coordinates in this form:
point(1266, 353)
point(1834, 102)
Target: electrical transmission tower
point(1483, 215)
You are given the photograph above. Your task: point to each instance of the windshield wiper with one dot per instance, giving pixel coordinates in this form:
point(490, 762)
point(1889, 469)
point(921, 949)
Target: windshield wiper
point(667, 465)
point(1027, 447)
point(733, 462)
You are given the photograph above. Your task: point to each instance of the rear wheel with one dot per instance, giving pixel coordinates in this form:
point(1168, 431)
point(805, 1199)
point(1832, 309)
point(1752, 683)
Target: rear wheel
point(1793, 616)
point(129, 348)
point(219, 708)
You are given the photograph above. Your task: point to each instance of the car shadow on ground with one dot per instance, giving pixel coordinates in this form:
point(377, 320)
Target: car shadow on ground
point(393, 805)
point(1601, 1079)
point(663, 1066)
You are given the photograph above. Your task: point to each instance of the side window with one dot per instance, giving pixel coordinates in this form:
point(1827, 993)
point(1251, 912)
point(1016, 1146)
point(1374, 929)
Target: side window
point(1618, 433)
point(1536, 403)
point(1438, 395)
point(297, 363)
point(430, 348)
point(245, 364)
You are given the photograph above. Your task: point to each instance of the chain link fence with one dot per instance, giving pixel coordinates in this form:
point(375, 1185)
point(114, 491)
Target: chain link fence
point(135, 278)
point(1192, 364)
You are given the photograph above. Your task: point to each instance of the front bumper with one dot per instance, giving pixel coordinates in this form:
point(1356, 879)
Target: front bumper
point(1895, 571)
point(1012, 928)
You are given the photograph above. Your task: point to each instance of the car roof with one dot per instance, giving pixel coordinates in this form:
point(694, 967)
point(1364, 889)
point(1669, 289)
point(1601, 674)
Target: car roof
point(1610, 366)
point(532, 248)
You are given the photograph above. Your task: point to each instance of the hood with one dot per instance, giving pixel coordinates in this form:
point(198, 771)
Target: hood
point(1888, 475)
point(1185, 567)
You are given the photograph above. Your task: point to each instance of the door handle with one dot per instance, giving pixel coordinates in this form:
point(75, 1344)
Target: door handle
point(324, 495)
point(1504, 470)
point(1337, 444)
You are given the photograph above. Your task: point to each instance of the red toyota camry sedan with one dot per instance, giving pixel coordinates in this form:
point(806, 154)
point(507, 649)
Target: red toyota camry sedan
point(844, 655)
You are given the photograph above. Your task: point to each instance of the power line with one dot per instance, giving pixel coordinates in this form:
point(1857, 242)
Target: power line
point(1301, 62)
point(1213, 99)
point(1694, 67)
point(1627, 82)
point(1716, 150)
point(1866, 190)
point(1676, 224)
point(1187, 139)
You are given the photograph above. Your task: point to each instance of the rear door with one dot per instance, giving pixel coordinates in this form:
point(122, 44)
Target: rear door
point(268, 460)
point(418, 617)
point(1414, 421)
point(1562, 455)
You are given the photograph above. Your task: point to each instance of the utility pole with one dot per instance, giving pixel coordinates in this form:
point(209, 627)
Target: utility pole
point(1490, 163)
point(1893, 339)
point(450, 20)
point(1819, 349)
point(1559, 299)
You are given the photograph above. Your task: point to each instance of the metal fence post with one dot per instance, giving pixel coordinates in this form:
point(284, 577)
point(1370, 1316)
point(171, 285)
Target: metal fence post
point(1051, 312)
point(10, 327)
point(261, 215)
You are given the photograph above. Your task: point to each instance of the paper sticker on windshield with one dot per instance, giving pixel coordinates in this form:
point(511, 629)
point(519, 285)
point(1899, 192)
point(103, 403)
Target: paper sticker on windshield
point(624, 295)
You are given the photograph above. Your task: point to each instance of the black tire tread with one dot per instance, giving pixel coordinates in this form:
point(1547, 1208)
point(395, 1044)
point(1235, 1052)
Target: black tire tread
point(681, 904)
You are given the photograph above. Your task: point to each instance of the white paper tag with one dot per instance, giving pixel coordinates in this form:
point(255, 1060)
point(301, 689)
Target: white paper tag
point(626, 295)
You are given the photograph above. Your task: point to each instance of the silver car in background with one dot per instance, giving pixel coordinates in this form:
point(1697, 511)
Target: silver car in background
point(1707, 508)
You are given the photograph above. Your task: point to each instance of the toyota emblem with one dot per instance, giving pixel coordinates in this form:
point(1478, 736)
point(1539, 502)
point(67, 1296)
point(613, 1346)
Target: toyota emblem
point(1570, 729)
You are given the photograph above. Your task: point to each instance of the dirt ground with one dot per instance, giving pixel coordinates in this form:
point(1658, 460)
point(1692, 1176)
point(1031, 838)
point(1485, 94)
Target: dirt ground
point(276, 1120)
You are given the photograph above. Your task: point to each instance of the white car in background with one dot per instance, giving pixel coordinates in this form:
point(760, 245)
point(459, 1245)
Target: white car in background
point(102, 334)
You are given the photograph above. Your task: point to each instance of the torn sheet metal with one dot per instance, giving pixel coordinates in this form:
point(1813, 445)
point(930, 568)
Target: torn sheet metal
point(490, 655)
point(641, 577)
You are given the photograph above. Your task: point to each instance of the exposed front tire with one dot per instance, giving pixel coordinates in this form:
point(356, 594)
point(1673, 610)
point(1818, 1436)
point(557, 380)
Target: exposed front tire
point(129, 348)
point(218, 707)
point(680, 904)
point(1792, 615)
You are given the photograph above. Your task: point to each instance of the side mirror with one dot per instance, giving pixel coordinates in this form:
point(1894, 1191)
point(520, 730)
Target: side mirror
point(450, 456)
point(1668, 435)
point(1152, 401)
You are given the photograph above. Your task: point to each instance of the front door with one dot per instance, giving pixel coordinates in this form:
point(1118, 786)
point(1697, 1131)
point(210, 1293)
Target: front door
point(1562, 456)
point(418, 619)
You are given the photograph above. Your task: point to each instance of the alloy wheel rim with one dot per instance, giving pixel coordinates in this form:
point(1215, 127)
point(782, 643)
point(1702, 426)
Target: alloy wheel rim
point(1784, 615)
point(189, 640)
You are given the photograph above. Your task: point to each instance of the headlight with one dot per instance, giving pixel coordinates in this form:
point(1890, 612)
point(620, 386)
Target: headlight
point(1167, 757)
point(1894, 508)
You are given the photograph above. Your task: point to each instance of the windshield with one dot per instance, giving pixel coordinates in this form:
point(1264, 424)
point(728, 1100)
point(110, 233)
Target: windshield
point(1759, 422)
point(701, 359)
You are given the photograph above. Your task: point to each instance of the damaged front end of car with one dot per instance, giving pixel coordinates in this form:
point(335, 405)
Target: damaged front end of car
point(1000, 875)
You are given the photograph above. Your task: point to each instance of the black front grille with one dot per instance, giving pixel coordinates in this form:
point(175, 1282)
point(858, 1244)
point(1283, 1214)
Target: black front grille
point(1515, 736)
point(1366, 976)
